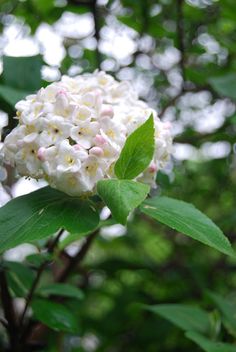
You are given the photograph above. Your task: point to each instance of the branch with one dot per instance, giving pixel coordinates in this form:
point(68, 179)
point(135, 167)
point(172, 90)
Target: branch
point(170, 103)
point(196, 89)
point(94, 10)
point(82, 2)
point(35, 333)
point(74, 261)
point(40, 271)
point(9, 311)
point(180, 37)
point(92, 5)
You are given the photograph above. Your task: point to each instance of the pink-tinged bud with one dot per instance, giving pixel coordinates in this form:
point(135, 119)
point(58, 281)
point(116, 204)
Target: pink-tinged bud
point(61, 102)
point(167, 125)
point(107, 111)
point(97, 151)
point(41, 154)
point(77, 146)
point(100, 139)
point(97, 93)
point(152, 168)
point(98, 97)
point(61, 92)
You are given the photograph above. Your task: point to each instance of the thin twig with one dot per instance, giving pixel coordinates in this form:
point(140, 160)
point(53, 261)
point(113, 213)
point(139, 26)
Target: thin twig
point(55, 241)
point(180, 38)
point(170, 103)
point(32, 290)
point(74, 261)
point(94, 9)
point(4, 323)
point(34, 333)
point(38, 276)
point(92, 5)
point(9, 311)
point(197, 89)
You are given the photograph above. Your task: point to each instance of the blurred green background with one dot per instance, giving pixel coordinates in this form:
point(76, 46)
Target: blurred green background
point(180, 56)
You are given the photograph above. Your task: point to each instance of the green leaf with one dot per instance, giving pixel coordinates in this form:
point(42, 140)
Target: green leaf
point(19, 277)
point(183, 316)
point(41, 213)
point(137, 152)
point(122, 196)
point(64, 290)
point(227, 308)
point(43, 6)
point(11, 95)
point(185, 218)
point(225, 85)
point(208, 345)
point(54, 315)
point(23, 73)
point(38, 259)
point(72, 237)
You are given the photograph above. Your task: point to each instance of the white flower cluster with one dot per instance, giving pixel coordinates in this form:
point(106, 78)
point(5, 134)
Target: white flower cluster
point(3, 171)
point(72, 132)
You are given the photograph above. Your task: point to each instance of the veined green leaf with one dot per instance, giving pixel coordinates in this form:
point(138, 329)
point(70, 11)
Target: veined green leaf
point(184, 316)
point(19, 277)
point(54, 315)
point(185, 218)
point(60, 289)
point(208, 345)
point(137, 152)
point(41, 213)
point(122, 196)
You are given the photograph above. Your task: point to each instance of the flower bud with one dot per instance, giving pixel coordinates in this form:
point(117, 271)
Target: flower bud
point(41, 153)
point(107, 110)
point(96, 151)
point(100, 140)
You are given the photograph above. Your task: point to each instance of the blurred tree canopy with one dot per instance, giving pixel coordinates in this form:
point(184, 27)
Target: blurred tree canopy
point(181, 57)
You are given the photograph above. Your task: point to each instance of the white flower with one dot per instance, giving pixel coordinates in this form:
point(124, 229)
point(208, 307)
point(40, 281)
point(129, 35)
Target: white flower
point(27, 162)
point(81, 114)
point(47, 156)
point(92, 171)
point(84, 133)
point(3, 171)
point(68, 158)
point(72, 132)
point(54, 130)
point(110, 150)
point(112, 131)
point(3, 122)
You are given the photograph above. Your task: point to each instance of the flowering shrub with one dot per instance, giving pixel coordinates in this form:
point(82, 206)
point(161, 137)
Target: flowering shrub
point(97, 145)
point(72, 132)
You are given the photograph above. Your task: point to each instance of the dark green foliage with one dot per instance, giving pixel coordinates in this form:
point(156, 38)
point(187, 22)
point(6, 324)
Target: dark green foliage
point(54, 315)
point(41, 213)
point(151, 265)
